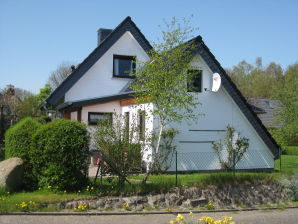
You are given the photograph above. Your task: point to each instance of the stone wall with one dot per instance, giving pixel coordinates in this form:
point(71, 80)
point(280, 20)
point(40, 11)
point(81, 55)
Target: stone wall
point(246, 195)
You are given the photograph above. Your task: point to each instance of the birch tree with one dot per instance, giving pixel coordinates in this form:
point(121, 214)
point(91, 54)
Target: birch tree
point(162, 80)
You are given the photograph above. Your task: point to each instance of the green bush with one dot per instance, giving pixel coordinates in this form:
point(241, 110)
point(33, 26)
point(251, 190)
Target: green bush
point(18, 139)
point(60, 153)
point(120, 146)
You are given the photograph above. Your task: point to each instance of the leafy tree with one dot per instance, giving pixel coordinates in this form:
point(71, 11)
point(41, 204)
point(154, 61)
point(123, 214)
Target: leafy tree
point(29, 107)
point(231, 151)
point(43, 93)
point(288, 114)
point(163, 79)
point(257, 81)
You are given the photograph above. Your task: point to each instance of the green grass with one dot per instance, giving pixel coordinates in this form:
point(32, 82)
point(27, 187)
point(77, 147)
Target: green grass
point(291, 150)
point(206, 179)
point(39, 197)
point(289, 163)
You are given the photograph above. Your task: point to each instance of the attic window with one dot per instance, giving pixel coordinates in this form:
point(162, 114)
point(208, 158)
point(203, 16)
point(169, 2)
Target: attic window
point(196, 83)
point(95, 117)
point(123, 66)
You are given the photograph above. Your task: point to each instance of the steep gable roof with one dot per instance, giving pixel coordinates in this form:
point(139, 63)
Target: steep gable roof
point(236, 95)
point(126, 25)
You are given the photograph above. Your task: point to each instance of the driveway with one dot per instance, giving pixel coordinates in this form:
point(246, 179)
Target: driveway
point(247, 217)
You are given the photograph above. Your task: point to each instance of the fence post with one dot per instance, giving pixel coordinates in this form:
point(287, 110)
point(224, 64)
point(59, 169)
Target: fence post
point(101, 171)
point(176, 168)
point(234, 165)
point(280, 152)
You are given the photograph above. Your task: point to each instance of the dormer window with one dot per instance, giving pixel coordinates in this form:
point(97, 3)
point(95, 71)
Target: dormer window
point(123, 66)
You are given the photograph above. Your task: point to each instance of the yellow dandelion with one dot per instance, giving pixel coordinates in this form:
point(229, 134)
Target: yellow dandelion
point(191, 214)
point(172, 222)
point(179, 218)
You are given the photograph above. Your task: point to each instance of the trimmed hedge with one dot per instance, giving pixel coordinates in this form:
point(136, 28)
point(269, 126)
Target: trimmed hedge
point(18, 140)
point(60, 154)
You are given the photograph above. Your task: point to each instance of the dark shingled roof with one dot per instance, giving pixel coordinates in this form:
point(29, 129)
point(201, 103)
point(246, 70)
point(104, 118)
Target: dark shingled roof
point(266, 110)
point(73, 105)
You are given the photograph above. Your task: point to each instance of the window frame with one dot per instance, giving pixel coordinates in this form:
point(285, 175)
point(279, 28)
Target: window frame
point(99, 113)
point(132, 58)
point(196, 89)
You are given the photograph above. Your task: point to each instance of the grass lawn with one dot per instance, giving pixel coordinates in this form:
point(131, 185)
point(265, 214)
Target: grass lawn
point(289, 163)
point(291, 150)
point(8, 202)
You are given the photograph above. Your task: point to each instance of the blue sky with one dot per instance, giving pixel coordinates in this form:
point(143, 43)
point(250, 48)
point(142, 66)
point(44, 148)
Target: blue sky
point(36, 36)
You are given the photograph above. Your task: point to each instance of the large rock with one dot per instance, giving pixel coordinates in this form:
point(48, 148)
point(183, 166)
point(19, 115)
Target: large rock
point(11, 174)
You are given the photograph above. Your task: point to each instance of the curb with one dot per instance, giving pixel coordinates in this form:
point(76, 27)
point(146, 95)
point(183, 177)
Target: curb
point(142, 213)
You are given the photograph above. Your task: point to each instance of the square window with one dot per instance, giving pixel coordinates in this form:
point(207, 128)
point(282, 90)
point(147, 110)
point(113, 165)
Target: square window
point(123, 66)
point(95, 117)
point(196, 83)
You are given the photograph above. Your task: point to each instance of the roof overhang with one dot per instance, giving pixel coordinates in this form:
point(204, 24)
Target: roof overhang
point(75, 105)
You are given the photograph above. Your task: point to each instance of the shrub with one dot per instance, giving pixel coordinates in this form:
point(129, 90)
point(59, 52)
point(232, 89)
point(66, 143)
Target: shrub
point(60, 153)
point(120, 145)
point(231, 151)
point(18, 140)
point(291, 184)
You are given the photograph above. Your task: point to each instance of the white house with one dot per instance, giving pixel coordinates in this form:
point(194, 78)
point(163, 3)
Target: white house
point(99, 85)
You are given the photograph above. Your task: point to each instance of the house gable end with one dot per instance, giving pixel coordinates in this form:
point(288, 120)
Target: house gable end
point(125, 25)
point(236, 95)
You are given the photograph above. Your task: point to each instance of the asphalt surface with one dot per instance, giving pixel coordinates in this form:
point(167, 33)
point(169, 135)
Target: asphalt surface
point(288, 216)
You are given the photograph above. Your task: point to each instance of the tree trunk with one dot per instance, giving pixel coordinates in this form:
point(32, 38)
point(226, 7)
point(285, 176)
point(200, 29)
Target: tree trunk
point(151, 165)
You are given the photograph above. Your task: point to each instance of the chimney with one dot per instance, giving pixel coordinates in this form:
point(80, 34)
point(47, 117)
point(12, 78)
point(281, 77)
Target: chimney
point(102, 35)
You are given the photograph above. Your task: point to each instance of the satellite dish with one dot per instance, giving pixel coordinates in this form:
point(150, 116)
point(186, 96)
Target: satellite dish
point(216, 82)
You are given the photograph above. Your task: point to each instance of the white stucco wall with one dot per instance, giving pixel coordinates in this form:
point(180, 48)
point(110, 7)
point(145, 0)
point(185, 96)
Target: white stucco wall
point(133, 114)
point(98, 80)
point(110, 107)
point(219, 110)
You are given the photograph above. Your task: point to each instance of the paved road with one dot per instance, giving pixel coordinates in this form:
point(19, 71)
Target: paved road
point(288, 216)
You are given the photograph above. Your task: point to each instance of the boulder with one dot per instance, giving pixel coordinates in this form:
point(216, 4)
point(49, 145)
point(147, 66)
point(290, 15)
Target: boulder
point(11, 174)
